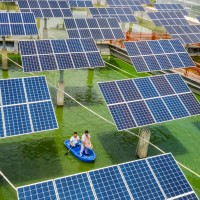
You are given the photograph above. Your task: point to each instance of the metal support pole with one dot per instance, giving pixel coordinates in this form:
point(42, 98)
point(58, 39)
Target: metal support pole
point(60, 92)
point(4, 55)
point(8, 181)
point(7, 7)
point(45, 30)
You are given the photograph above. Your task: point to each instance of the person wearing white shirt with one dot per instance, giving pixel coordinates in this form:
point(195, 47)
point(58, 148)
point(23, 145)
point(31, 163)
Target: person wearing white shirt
point(86, 143)
point(74, 139)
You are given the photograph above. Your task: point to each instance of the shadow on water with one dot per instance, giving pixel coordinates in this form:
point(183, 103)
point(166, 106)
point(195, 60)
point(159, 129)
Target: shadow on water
point(32, 159)
point(162, 137)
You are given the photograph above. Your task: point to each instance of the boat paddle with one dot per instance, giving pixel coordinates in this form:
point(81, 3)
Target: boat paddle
point(68, 151)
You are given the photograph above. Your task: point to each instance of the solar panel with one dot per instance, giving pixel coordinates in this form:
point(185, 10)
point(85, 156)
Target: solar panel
point(198, 17)
point(74, 187)
point(157, 177)
point(165, 18)
point(46, 55)
point(133, 4)
point(186, 34)
point(169, 175)
point(144, 101)
point(12, 23)
point(97, 28)
point(81, 4)
point(171, 7)
point(121, 14)
point(158, 55)
point(46, 9)
point(141, 181)
point(40, 191)
point(108, 183)
point(26, 106)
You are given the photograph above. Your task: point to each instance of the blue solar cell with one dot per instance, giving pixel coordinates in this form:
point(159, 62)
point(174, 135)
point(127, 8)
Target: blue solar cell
point(48, 62)
point(103, 23)
point(163, 62)
point(74, 187)
point(177, 83)
point(177, 46)
point(191, 103)
point(186, 59)
point(30, 63)
point(113, 23)
point(144, 48)
point(111, 92)
point(59, 46)
point(84, 33)
point(36, 89)
point(175, 106)
point(107, 34)
point(94, 11)
point(146, 88)
point(27, 47)
point(43, 4)
point(33, 4)
point(139, 64)
point(17, 29)
point(67, 12)
point(64, 61)
point(81, 23)
point(92, 23)
point(57, 13)
point(46, 13)
point(70, 23)
point(166, 46)
point(38, 191)
point(23, 4)
point(43, 120)
point(141, 113)
point(80, 60)
point(152, 63)
point(16, 120)
point(175, 60)
point(95, 59)
point(89, 44)
point(122, 116)
point(15, 18)
point(37, 13)
point(5, 30)
point(96, 34)
point(4, 18)
point(128, 90)
point(73, 33)
point(63, 4)
point(118, 33)
point(108, 184)
point(30, 29)
point(28, 18)
point(162, 85)
point(158, 110)
point(74, 45)
point(132, 49)
point(44, 47)
point(12, 91)
point(155, 47)
point(169, 175)
point(141, 181)
point(53, 4)
point(73, 4)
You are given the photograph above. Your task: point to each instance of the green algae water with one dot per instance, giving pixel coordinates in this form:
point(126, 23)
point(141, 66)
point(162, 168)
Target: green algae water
point(40, 156)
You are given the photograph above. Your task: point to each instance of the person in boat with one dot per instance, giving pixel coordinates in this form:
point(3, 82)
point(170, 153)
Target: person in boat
point(74, 140)
point(86, 143)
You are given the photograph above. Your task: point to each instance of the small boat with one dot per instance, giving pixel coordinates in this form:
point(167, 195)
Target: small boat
point(76, 151)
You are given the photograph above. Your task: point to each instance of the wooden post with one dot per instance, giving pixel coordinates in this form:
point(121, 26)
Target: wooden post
point(60, 92)
point(143, 145)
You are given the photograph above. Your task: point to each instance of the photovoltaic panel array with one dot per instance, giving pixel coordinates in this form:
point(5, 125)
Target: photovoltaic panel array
point(75, 4)
point(198, 17)
point(97, 28)
point(121, 14)
point(171, 7)
point(185, 34)
point(46, 9)
point(12, 23)
point(26, 106)
point(157, 177)
point(134, 5)
point(158, 55)
point(46, 55)
point(144, 101)
point(168, 18)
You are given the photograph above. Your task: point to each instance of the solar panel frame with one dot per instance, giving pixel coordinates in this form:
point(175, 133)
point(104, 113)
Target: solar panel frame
point(46, 9)
point(95, 29)
point(158, 55)
point(17, 23)
point(14, 124)
point(80, 4)
point(120, 13)
point(124, 113)
point(60, 54)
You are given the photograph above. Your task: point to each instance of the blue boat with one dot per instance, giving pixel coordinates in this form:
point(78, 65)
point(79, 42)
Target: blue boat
point(76, 151)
